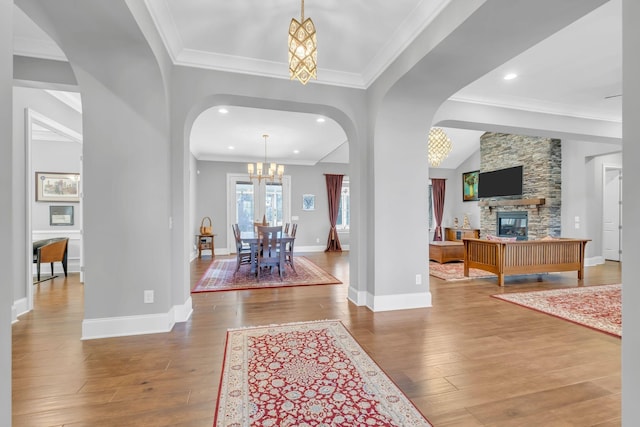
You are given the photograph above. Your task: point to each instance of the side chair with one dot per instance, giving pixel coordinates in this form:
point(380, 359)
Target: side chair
point(271, 253)
point(243, 253)
point(288, 252)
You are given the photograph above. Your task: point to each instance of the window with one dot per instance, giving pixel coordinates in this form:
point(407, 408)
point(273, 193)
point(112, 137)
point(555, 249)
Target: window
point(342, 223)
point(250, 201)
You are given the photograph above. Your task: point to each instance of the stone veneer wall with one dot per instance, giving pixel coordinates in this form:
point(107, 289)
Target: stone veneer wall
point(541, 159)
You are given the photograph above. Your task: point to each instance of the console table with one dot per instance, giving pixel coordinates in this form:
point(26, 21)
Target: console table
point(457, 234)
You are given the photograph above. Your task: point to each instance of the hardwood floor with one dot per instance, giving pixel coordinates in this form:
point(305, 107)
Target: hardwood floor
point(470, 360)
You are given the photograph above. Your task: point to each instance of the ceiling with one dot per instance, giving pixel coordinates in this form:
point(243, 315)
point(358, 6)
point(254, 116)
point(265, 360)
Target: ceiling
point(575, 72)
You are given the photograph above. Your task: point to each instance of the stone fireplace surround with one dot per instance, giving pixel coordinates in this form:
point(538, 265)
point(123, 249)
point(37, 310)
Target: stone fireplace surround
point(542, 181)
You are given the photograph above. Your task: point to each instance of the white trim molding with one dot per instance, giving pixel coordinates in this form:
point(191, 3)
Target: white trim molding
point(136, 325)
point(19, 307)
point(357, 297)
point(596, 260)
point(398, 302)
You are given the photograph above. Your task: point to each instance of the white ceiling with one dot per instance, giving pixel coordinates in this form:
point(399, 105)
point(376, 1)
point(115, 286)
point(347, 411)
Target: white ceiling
point(570, 73)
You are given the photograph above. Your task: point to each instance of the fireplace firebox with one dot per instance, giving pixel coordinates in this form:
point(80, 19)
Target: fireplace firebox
point(513, 224)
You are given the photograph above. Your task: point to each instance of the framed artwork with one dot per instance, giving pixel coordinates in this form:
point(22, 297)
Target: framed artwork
point(470, 186)
point(308, 202)
point(57, 187)
point(60, 215)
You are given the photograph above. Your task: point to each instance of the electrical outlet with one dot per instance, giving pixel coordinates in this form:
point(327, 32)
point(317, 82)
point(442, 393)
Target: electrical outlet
point(418, 279)
point(317, 240)
point(148, 297)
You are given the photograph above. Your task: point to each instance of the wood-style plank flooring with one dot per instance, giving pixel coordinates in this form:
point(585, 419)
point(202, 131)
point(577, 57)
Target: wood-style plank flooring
point(470, 360)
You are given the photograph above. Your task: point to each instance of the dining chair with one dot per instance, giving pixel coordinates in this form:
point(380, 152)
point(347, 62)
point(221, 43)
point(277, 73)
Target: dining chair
point(271, 253)
point(288, 253)
point(286, 228)
point(243, 253)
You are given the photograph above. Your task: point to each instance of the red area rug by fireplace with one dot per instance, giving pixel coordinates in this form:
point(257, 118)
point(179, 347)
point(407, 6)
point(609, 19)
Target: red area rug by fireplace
point(306, 374)
point(219, 277)
point(597, 307)
point(452, 271)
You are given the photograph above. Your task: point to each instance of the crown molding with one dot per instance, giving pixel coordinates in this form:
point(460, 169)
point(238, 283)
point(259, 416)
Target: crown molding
point(404, 35)
point(535, 108)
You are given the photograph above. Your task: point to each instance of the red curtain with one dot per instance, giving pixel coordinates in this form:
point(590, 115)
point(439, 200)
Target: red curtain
point(438, 187)
point(334, 187)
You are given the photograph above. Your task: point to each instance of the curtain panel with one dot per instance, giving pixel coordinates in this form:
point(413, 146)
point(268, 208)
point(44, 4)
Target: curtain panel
point(438, 187)
point(334, 187)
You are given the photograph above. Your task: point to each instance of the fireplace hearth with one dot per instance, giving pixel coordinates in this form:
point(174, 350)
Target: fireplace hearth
point(513, 224)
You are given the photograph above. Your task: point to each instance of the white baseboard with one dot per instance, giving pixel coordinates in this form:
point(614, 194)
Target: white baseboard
point(357, 297)
point(182, 313)
point(136, 325)
point(596, 260)
point(398, 302)
point(18, 308)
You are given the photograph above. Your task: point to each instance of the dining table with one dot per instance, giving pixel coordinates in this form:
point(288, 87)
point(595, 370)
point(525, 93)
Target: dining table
point(253, 240)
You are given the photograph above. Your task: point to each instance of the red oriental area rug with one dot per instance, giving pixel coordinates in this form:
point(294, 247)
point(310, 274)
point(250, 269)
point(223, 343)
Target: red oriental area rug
point(452, 271)
point(219, 277)
point(306, 374)
point(597, 307)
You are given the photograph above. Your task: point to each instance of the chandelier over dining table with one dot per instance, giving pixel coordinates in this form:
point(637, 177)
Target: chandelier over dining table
point(264, 170)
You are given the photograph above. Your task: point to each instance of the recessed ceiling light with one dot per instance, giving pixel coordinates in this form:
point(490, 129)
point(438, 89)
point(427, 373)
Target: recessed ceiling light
point(320, 120)
point(510, 76)
point(296, 151)
point(223, 110)
point(231, 147)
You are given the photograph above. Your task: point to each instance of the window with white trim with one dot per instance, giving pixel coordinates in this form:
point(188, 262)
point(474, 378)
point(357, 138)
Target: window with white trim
point(344, 211)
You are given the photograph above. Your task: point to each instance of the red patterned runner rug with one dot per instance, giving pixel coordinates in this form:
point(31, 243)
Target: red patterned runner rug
point(452, 271)
point(219, 277)
point(306, 374)
point(597, 307)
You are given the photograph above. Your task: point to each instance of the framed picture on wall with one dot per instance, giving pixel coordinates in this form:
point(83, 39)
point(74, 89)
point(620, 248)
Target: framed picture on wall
point(57, 187)
point(470, 186)
point(308, 202)
point(60, 215)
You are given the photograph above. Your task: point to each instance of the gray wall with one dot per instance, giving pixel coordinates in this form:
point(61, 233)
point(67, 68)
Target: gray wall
point(7, 263)
point(582, 189)
point(631, 210)
point(211, 195)
point(460, 208)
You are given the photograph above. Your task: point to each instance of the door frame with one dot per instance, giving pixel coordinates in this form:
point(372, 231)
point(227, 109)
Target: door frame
point(33, 117)
point(259, 192)
point(605, 168)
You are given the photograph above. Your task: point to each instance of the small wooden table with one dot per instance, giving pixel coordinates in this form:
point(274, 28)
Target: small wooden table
point(205, 242)
point(446, 251)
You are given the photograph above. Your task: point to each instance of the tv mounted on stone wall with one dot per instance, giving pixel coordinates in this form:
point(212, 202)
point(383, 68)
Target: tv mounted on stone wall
point(501, 182)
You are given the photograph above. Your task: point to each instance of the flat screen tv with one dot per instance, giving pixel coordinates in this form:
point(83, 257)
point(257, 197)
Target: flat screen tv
point(501, 182)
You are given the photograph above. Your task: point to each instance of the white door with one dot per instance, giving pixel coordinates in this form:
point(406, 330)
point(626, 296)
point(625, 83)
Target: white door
point(612, 223)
